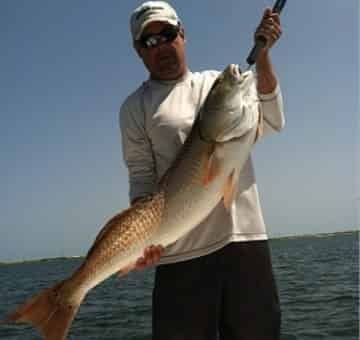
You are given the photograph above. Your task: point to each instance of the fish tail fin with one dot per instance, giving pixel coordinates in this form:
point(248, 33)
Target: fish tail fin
point(51, 312)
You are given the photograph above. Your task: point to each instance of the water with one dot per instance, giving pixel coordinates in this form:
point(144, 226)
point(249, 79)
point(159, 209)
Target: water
point(317, 278)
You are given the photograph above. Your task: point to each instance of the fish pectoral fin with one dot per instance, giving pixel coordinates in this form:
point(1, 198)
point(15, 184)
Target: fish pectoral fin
point(230, 190)
point(212, 164)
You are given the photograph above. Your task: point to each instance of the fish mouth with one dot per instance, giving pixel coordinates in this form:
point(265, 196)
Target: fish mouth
point(235, 71)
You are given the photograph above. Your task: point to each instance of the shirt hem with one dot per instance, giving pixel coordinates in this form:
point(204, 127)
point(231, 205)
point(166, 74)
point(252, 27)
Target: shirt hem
point(189, 255)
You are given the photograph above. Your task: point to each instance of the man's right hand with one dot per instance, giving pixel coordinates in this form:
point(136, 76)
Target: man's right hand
point(150, 257)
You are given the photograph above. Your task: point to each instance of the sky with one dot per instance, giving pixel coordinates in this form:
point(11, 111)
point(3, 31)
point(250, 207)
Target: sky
point(66, 66)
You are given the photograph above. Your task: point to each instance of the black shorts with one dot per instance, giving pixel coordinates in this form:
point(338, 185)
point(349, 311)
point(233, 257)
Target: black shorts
point(229, 295)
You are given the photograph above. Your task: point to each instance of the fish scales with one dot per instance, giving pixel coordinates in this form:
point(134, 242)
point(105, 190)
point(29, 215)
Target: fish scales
point(124, 233)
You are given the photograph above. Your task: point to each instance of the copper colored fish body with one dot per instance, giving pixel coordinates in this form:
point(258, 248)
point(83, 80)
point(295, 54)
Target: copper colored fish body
point(205, 172)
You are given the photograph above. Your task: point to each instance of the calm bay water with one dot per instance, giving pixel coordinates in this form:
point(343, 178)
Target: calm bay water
point(317, 277)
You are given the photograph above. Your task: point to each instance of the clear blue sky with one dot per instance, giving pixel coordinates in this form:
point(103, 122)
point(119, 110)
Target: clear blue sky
point(66, 66)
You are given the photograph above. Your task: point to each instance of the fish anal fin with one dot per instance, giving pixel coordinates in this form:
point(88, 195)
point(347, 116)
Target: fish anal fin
point(230, 189)
point(212, 164)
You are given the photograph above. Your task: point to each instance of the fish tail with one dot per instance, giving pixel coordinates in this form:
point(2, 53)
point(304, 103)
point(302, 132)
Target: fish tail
point(51, 312)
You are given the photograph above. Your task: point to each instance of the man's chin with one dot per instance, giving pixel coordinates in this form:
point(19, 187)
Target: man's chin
point(170, 72)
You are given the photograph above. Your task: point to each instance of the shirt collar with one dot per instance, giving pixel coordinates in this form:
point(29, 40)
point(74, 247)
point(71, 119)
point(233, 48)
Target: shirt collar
point(153, 82)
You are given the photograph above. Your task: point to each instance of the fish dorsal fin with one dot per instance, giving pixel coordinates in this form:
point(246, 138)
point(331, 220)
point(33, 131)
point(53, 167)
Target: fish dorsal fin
point(230, 189)
point(212, 163)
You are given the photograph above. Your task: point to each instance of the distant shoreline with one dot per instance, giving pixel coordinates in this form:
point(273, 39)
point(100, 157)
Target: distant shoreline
point(270, 238)
point(45, 259)
point(336, 233)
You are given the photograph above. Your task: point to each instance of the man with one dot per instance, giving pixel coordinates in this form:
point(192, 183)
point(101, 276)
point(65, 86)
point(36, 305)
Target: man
point(217, 281)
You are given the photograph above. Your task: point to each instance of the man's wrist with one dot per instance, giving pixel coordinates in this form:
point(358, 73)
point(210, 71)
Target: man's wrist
point(263, 58)
point(266, 78)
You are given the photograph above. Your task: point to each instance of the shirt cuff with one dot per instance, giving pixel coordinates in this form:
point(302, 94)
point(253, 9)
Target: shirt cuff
point(265, 97)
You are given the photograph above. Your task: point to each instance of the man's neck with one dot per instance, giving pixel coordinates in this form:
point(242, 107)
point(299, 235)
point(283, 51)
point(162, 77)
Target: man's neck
point(170, 80)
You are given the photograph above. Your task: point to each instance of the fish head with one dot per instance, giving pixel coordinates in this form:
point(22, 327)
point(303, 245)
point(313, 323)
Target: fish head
point(223, 110)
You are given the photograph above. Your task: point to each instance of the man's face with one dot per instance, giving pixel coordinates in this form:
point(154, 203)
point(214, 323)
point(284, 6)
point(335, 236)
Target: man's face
point(167, 60)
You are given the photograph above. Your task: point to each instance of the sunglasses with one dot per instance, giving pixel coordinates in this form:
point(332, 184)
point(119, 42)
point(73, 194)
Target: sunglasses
point(168, 34)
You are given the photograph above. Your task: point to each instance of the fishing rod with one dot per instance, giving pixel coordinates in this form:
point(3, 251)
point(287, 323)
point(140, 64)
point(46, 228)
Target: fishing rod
point(260, 41)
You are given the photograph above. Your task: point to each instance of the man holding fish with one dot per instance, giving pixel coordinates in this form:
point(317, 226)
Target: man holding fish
point(195, 210)
point(217, 280)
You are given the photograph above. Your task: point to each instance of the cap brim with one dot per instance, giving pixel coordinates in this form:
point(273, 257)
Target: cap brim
point(172, 22)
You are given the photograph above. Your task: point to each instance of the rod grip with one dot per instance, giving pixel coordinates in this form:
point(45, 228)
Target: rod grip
point(259, 44)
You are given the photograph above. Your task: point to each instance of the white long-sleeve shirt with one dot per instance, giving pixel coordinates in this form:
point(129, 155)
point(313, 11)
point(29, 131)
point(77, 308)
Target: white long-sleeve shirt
point(155, 121)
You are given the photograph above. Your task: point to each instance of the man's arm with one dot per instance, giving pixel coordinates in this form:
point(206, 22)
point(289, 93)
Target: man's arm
point(136, 150)
point(139, 160)
point(268, 88)
point(266, 77)
point(270, 29)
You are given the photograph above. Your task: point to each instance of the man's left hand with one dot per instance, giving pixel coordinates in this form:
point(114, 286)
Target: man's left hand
point(269, 28)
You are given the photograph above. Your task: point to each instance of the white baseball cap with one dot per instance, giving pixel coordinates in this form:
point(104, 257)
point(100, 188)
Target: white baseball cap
point(151, 11)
